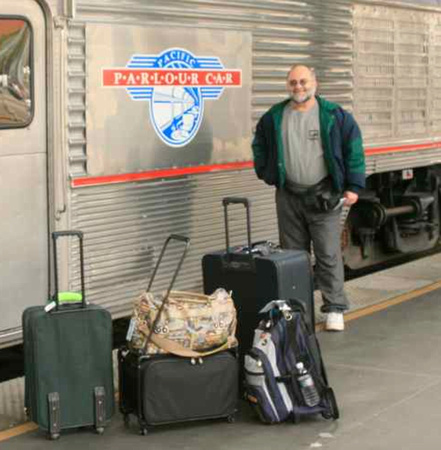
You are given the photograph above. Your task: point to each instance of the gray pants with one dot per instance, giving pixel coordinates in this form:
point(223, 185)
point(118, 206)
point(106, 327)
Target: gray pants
point(298, 226)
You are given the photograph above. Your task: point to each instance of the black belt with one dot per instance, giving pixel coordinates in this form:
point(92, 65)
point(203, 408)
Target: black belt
point(319, 197)
point(307, 191)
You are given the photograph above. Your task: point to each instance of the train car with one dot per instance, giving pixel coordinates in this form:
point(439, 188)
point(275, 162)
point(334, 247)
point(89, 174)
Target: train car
point(130, 120)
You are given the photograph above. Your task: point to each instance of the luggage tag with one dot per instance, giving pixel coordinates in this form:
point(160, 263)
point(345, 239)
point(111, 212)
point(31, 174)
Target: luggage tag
point(50, 306)
point(131, 329)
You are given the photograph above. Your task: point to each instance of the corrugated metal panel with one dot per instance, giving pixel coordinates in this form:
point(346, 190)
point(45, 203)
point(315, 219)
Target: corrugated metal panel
point(427, 3)
point(314, 32)
point(397, 81)
point(397, 161)
point(125, 225)
point(76, 95)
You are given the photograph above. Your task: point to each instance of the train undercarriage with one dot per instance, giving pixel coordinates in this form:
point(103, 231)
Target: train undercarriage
point(398, 214)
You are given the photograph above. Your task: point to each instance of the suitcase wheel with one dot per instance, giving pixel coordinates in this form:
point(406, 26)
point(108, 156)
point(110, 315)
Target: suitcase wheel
point(143, 430)
point(295, 417)
point(126, 419)
point(231, 418)
point(331, 411)
point(99, 430)
point(53, 436)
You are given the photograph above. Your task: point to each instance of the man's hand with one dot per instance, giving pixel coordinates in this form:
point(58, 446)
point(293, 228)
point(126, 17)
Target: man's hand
point(350, 198)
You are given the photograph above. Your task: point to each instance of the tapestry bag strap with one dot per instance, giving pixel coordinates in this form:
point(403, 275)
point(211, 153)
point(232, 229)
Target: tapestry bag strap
point(179, 350)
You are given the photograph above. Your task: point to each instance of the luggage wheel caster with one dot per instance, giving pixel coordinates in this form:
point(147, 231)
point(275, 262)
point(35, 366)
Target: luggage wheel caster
point(126, 419)
point(332, 412)
point(144, 431)
point(295, 418)
point(231, 418)
point(99, 430)
point(53, 436)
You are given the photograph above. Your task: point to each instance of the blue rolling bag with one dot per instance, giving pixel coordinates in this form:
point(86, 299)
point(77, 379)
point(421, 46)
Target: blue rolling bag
point(285, 377)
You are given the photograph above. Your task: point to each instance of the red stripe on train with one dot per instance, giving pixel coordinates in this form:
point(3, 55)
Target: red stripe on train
point(403, 148)
point(160, 173)
point(175, 172)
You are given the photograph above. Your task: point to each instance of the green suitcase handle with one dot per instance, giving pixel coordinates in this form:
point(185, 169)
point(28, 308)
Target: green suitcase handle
point(67, 297)
point(70, 297)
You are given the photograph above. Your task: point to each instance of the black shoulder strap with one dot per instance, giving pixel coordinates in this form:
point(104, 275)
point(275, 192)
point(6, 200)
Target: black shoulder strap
point(291, 335)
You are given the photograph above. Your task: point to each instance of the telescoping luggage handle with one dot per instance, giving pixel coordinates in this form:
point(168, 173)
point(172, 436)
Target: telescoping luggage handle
point(69, 297)
point(172, 237)
point(248, 263)
point(241, 201)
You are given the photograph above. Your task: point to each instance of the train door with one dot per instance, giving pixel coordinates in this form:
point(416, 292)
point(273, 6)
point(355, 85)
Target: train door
point(23, 162)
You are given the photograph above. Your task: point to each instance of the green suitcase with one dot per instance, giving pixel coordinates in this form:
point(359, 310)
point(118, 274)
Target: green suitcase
point(68, 360)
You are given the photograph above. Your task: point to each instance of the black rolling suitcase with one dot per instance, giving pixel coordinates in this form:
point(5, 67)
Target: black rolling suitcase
point(68, 359)
point(257, 274)
point(163, 389)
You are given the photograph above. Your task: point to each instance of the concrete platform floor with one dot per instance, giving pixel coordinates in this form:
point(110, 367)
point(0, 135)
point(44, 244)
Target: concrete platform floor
point(386, 372)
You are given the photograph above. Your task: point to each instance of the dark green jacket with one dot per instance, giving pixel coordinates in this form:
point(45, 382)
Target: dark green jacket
point(341, 140)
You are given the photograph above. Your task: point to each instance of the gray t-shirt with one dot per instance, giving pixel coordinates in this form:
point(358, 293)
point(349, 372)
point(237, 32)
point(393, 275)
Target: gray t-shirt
point(302, 146)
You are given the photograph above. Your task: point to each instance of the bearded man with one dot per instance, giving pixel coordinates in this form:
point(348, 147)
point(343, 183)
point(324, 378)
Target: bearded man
point(311, 150)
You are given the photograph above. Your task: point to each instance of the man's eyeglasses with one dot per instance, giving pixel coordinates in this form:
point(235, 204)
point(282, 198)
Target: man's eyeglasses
point(303, 82)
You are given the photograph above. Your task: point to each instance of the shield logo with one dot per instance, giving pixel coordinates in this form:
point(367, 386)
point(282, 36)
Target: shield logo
point(176, 83)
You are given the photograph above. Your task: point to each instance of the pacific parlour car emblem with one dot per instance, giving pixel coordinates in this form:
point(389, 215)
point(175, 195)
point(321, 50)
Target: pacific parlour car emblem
point(176, 83)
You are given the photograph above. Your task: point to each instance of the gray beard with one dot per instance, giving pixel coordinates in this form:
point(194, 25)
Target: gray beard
point(308, 95)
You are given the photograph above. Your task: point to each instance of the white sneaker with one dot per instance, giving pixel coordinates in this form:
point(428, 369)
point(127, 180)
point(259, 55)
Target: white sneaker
point(334, 322)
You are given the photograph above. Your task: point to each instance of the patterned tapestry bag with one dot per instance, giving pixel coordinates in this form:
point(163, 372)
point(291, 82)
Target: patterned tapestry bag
point(182, 323)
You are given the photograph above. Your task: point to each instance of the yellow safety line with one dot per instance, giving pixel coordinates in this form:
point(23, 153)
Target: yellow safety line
point(31, 426)
point(371, 309)
point(17, 431)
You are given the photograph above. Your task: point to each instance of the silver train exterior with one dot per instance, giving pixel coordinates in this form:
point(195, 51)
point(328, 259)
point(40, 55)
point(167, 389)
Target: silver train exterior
point(131, 120)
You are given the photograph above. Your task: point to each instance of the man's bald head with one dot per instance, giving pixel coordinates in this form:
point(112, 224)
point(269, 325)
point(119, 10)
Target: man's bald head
point(302, 70)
